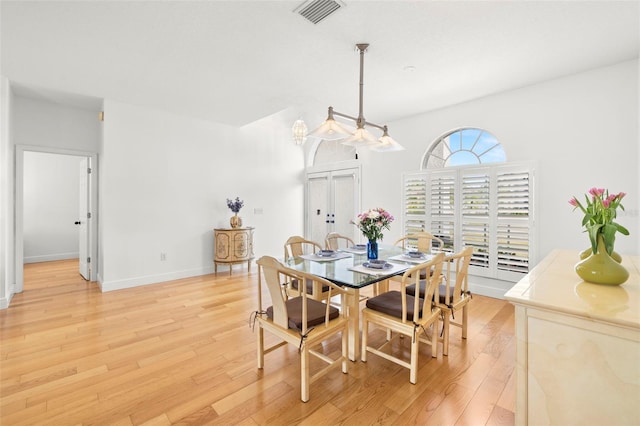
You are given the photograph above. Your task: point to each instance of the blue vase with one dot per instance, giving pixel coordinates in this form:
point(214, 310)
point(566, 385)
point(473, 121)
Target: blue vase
point(372, 249)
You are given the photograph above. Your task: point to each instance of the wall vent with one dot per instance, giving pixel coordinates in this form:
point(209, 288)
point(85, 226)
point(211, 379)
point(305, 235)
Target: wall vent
point(316, 10)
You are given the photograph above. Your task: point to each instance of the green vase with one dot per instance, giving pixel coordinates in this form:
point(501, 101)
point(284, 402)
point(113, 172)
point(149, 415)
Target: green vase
point(587, 252)
point(600, 268)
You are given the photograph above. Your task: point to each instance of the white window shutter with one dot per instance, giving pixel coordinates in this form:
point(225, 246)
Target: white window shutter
point(489, 208)
point(414, 197)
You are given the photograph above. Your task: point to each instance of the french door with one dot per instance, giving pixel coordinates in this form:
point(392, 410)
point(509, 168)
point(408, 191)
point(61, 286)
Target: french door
point(333, 201)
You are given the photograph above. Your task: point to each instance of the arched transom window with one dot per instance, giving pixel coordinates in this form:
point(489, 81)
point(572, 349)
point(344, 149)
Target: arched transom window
point(462, 147)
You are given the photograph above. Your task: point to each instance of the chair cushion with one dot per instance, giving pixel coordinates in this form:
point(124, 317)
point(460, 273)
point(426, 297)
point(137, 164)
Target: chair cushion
point(390, 303)
point(442, 290)
point(294, 284)
point(315, 312)
point(411, 289)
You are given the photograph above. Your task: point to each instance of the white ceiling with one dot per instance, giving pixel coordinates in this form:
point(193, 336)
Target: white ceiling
point(237, 61)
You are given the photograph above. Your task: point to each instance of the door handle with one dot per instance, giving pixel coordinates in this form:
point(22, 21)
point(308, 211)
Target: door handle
point(77, 222)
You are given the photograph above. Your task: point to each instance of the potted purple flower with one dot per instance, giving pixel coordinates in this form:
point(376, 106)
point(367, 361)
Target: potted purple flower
point(235, 206)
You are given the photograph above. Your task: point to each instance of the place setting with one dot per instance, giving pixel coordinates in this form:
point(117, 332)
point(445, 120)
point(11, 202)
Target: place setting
point(415, 257)
point(378, 267)
point(356, 249)
point(326, 255)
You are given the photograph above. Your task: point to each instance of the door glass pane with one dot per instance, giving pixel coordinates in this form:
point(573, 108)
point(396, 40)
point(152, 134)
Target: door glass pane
point(344, 202)
point(318, 187)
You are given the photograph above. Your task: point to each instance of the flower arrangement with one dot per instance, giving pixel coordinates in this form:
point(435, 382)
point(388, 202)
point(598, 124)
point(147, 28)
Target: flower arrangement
point(599, 211)
point(235, 205)
point(372, 222)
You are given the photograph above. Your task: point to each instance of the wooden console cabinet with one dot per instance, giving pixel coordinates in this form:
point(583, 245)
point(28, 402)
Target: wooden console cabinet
point(231, 246)
point(577, 347)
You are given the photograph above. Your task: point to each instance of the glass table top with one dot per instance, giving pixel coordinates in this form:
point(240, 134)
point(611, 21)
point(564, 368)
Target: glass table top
point(339, 270)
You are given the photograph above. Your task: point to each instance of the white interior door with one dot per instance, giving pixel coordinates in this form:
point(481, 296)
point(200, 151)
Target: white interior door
point(83, 219)
point(333, 199)
point(318, 214)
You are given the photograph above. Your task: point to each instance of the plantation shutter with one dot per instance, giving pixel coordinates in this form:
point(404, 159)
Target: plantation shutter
point(442, 207)
point(474, 218)
point(415, 203)
point(489, 208)
point(514, 222)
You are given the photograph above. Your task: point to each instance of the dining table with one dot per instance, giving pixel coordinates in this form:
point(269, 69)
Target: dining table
point(352, 270)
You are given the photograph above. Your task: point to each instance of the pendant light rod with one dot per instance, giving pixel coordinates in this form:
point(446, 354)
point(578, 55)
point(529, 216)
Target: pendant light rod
point(332, 130)
point(360, 122)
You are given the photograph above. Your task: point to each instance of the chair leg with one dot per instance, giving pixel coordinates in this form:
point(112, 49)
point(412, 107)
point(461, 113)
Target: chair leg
point(465, 319)
point(345, 351)
point(413, 370)
point(365, 335)
point(304, 374)
point(260, 338)
point(434, 339)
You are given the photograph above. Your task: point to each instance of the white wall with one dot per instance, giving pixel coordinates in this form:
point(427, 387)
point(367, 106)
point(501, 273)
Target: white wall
point(47, 124)
point(164, 181)
point(581, 131)
point(51, 199)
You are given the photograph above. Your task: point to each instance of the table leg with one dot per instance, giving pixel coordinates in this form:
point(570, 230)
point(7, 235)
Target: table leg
point(353, 313)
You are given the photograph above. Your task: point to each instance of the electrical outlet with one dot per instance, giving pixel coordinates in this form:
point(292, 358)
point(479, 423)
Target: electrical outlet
point(163, 257)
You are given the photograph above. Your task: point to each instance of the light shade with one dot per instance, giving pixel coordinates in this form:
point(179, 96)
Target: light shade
point(360, 137)
point(299, 132)
point(386, 144)
point(330, 130)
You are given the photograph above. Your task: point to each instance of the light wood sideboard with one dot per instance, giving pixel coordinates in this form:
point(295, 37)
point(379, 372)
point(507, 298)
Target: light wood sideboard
point(578, 346)
point(232, 246)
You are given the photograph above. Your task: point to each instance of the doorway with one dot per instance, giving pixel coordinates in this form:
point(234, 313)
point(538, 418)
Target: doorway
point(75, 235)
point(332, 202)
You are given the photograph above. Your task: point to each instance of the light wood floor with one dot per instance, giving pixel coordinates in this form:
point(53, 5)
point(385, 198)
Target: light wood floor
point(182, 352)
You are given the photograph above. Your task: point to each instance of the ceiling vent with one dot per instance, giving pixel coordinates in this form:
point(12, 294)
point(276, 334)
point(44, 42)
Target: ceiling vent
point(316, 10)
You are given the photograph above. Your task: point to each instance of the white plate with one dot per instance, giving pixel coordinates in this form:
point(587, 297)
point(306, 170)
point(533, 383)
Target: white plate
point(386, 266)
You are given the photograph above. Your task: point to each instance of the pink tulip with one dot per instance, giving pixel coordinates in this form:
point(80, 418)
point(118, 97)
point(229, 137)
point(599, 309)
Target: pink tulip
point(573, 202)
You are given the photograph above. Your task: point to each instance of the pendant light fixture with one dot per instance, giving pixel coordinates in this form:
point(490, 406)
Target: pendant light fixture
point(299, 132)
point(332, 130)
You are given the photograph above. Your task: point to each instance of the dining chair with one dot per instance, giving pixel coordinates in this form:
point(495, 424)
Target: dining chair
point(454, 296)
point(335, 241)
point(300, 321)
point(296, 246)
point(405, 315)
point(421, 241)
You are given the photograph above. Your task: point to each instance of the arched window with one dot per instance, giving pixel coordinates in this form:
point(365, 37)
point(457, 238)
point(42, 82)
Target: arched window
point(462, 147)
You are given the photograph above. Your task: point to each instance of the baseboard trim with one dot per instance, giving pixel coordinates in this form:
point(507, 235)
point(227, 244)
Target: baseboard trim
point(152, 279)
point(489, 287)
point(50, 257)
